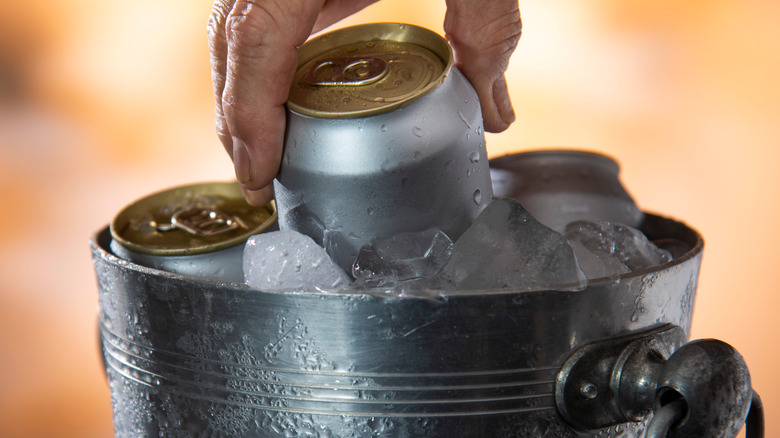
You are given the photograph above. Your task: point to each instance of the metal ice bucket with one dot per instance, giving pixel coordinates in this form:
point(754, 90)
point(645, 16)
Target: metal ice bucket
point(192, 357)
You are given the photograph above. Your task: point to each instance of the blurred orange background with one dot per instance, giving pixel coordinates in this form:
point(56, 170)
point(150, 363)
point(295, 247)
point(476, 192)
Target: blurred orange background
point(104, 102)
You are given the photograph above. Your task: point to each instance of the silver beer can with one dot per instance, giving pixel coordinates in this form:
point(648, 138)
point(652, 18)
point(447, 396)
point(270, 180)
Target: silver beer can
point(559, 186)
point(385, 135)
point(198, 229)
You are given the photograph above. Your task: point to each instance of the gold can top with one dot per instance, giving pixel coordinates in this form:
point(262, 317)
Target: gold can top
point(367, 70)
point(191, 219)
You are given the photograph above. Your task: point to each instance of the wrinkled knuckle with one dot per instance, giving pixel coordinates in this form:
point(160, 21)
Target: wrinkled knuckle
point(505, 33)
point(500, 43)
point(242, 24)
point(235, 109)
point(213, 27)
point(247, 24)
point(219, 12)
point(513, 31)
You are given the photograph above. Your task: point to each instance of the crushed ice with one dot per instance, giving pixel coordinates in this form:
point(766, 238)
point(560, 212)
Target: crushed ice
point(505, 247)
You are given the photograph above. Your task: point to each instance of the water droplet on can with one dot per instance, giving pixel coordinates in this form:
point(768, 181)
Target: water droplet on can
point(417, 131)
point(463, 118)
point(474, 156)
point(478, 197)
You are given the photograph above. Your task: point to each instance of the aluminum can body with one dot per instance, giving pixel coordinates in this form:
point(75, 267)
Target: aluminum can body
point(223, 265)
point(562, 186)
point(422, 164)
point(196, 230)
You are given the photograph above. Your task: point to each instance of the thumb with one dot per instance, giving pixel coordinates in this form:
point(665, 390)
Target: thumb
point(483, 35)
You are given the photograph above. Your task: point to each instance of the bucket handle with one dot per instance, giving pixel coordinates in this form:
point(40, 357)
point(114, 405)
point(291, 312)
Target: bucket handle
point(703, 389)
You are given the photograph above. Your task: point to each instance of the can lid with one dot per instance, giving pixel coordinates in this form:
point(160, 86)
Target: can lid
point(191, 219)
point(368, 69)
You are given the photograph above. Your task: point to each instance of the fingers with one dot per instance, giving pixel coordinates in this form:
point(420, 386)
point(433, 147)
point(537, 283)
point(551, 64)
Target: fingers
point(253, 55)
point(259, 197)
point(483, 35)
point(253, 46)
point(262, 37)
point(218, 52)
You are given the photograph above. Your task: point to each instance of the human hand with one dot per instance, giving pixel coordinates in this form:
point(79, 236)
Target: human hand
point(253, 46)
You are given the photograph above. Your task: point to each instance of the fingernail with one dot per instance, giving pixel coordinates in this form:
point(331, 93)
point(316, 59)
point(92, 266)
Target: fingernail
point(508, 113)
point(258, 197)
point(241, 161)
point(503, 102)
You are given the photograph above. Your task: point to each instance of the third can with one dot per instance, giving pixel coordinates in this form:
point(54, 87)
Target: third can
point(384, 136)
point(196, 229)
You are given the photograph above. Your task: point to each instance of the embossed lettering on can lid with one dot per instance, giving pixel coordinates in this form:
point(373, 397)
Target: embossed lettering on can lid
point(191, 219)
point(366, 70)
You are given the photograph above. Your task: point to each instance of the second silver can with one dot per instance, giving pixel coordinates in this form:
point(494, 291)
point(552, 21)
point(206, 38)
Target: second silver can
point(403, 160)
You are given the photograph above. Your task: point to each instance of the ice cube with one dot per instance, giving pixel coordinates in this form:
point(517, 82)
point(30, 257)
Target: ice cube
point(625, 243)
point(506, 247)
point(282, 261)
point(677, 248)
point(597, 264)
point(392, 259)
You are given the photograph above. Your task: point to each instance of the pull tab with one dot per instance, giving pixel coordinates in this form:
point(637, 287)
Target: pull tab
point(202, 222)
point(346, 71)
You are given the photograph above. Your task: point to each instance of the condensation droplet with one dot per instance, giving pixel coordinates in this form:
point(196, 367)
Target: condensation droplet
point(478, 196)
point(417, 131)
point(462, 117)
point(384, 128)
point(479, 130)
point(474, 156)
